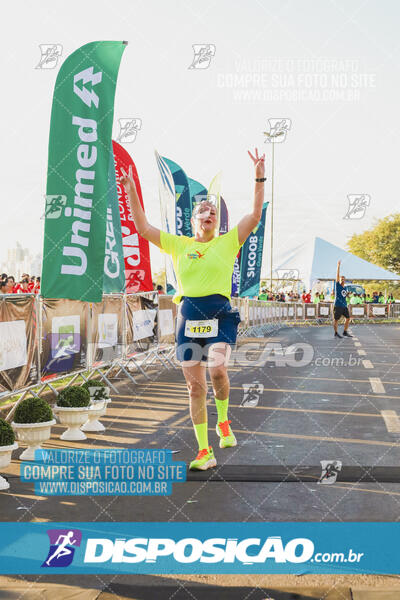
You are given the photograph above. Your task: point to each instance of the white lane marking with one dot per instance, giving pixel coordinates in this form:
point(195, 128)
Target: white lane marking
point(362, 353)
point(357, 343)
point(367, 364)
point(355, 339)
point(377, 385)
point(392, 420)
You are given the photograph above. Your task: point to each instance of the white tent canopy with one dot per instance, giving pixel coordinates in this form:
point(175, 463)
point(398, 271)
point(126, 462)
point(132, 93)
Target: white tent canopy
point(317, 260)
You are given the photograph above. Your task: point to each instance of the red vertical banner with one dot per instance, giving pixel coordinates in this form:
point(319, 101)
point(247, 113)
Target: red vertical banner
point(136, 249)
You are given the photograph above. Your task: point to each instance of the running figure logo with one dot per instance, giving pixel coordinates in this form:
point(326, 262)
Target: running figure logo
point(128, 129)
point(50, 53)
point(251, 393)
point(278, 129)
point(54, 206)
point(330, 471)
point(62, 542)
point(358, 204)
point(203, 54)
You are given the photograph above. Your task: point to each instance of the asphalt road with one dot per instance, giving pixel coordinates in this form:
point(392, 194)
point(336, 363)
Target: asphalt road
point(321, 399)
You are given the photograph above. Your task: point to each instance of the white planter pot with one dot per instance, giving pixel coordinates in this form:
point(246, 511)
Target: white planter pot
point(5, 459)
point(32, 435)
point(96, 410)
point(73, 419)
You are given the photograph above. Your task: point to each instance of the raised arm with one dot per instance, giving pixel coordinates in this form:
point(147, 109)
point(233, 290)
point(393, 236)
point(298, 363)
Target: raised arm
point(338, 272)
point(250, 221)
point(141, 223)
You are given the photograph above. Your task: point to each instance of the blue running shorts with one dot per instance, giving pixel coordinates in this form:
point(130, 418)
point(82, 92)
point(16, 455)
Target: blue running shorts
point(202, 313)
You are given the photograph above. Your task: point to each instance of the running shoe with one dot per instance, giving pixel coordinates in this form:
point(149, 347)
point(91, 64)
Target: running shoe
point(337, 335)
point(347, 334)
point(204, 460)
point(225, 433)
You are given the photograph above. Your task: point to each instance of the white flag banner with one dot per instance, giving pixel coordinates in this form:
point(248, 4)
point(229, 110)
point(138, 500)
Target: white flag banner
point(12, 345)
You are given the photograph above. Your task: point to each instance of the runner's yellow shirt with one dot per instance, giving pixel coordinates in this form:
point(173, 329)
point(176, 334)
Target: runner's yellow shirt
point(202, 268)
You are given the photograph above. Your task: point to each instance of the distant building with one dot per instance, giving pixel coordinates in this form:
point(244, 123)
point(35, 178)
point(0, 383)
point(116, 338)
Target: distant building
point(21, 260)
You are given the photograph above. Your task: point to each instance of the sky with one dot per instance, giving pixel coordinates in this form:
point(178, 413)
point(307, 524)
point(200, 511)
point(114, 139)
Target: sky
point(330, 66)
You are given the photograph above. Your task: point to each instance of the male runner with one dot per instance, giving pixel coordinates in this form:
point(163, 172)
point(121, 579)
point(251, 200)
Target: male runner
point(340, 308)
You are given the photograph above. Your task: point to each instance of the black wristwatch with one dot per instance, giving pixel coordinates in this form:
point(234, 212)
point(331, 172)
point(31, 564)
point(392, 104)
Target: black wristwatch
point(260, 179)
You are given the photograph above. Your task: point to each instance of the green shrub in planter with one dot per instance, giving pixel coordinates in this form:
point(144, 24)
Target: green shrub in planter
point(74, 397)
point(7, 436)
point(93, 383)
point(33, 410)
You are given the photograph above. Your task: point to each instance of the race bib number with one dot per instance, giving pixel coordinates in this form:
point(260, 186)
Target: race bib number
point(201, 328)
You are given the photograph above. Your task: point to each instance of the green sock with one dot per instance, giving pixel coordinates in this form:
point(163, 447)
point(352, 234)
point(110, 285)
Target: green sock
point(201, 435)
point(222, 409)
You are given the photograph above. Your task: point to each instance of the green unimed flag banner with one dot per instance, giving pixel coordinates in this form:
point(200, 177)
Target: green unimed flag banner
point(78, 173)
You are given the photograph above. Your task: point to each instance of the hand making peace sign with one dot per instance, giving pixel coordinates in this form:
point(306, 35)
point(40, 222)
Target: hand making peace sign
point(259, 163)
point(127, 180)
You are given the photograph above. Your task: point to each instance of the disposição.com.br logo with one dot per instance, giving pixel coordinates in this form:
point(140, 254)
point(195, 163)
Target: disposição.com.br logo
point(62, 547)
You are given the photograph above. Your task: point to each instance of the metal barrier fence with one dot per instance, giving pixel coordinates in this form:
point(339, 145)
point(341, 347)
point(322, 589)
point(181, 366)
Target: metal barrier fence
point(43, 340)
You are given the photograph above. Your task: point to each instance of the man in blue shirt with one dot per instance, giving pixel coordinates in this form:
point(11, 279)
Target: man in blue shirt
point(340, 308)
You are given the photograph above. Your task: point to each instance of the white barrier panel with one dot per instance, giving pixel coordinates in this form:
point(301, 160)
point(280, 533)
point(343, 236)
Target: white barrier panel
point(166, 321)
point(143, 323)
point(310, 311)
point(378, 311)
point(324, 311)
point(13, 345)
point(243, 313)
point(357, 311)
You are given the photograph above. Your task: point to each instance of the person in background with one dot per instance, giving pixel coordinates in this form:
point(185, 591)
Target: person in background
point(340, 308)
point(24, 286)
point(381, 298)
point(353, 299)
point(390, 299)
point(3, 285)
point(31, 284)
point(375, 298)
point(316, 298)
point(160, 289)
point(10, 287)
point(368, 298)
point(263, 295)
point(36, 289)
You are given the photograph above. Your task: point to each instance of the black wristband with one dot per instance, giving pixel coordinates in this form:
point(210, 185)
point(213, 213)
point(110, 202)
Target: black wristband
point(260, 179)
